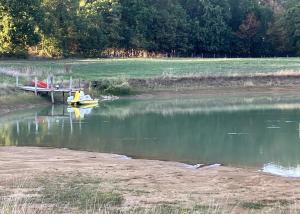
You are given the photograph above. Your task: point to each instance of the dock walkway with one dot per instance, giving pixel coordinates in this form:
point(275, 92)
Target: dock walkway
point(34, 89)
point(38, 90)
point(50, 89)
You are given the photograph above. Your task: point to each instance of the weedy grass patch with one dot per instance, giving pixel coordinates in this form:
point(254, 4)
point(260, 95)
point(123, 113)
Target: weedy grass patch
point(253, 205)
point(81, 192)
point(59, 193)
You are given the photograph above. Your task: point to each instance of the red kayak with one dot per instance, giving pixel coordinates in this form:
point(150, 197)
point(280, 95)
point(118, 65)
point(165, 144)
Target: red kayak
point(40, 84)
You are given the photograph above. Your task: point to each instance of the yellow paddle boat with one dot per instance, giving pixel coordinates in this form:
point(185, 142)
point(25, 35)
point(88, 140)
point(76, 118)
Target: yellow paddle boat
point(81, 99)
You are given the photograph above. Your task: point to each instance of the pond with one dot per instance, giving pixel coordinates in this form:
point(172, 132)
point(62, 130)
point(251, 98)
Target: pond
point(258, 132)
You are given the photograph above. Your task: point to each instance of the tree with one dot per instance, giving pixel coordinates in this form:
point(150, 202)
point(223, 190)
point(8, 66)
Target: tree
point(136, 19)
point(208, 25)
point(18, 26)
point(59, 29)
point(99, 27)
point(250, 28)
point(215, 31)
point(291, 27)
point(169, 28)
point(89, 28)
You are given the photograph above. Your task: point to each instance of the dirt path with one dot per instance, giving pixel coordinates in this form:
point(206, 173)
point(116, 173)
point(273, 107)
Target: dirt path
point(149, 183)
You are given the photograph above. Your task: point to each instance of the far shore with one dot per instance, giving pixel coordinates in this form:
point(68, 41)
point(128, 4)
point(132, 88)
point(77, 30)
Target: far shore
point(35, 178)
point(18, 100)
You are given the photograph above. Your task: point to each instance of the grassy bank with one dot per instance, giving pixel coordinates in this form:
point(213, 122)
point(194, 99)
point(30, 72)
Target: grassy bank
point(94, 69)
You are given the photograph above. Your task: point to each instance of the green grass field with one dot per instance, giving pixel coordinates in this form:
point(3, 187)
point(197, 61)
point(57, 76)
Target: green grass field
point(93, 69)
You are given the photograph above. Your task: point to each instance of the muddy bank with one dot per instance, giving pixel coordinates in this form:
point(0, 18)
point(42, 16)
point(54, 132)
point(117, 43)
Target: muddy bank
point(148, 183)
point(176, 83)
point(12, 99)
point(216, 82)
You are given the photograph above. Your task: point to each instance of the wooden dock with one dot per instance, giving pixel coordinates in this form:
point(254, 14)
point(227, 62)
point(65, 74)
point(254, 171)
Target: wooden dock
point(50, 91)
point(50, 88)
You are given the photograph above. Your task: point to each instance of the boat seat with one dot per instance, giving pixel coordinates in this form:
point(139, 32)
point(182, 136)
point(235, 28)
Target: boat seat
point(70, 99)
point(87, 97)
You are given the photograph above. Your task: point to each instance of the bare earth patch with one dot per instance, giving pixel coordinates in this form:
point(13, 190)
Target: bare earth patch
point(50, 176)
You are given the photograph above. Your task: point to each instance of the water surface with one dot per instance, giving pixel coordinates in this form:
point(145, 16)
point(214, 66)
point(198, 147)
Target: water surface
point(262, 133)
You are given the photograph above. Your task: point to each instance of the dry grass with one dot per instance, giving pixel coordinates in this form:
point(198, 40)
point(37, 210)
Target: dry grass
point(86, 194)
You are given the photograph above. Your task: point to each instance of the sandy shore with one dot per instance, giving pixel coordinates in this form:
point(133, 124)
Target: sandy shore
point(147, 183)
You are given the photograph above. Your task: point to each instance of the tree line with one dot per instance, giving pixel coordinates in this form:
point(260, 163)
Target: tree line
point(97, 28)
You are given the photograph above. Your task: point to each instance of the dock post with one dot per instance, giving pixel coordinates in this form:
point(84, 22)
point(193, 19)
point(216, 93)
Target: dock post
point(70, 93)
point(36, 123)
point(52, 110)
point(48, 82)
point(35, 86)
point(17, 80)
point(18, 127)
point(29, 127)
point(71, 122)
point(62, 126)
point(51, 81)
point(52, 96)
point(48, 124)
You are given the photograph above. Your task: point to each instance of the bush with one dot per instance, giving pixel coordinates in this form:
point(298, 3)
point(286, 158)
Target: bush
point(121, 89)
point(113, 87)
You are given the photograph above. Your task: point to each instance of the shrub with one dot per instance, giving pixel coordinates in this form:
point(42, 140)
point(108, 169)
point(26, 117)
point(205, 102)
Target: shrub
point(113, 87)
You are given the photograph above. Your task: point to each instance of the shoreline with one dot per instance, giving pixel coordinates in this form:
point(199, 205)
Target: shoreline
point(146, 184)
point(12, 99)
point(17, 101)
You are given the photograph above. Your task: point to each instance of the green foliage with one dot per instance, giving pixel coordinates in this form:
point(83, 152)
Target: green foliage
point(59, 29)
point(113, 87)
point(250, 23)
point(291, 27)
point(18, 26)
point(285, 34)
point(99, 27)
point(96, 28)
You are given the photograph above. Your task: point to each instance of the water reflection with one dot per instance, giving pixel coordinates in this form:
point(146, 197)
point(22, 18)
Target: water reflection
point(81, 112)
point(185, 130)
point(41, 123)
